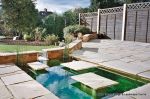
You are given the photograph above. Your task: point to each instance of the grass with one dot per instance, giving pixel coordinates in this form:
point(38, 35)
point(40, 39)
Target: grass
point(13, 48)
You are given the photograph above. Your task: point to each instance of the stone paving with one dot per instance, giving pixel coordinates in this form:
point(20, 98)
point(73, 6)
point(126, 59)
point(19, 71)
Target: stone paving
point(79, 65)
point(129, 57)
point(124, 56)
point(37, 66)
point(95, 81)
point(16, 84)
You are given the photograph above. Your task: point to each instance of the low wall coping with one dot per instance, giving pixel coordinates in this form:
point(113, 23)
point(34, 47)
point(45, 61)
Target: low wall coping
point(71, 45)
point(15, 53)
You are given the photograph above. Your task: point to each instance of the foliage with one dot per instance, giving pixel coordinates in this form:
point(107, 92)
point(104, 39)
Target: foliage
point(27, 37)
point(40, 33)
point(95, 4)
point(66, 53)
point(51, 39)
point(82, 29)
point(68, 38)
point(54, 23)
point(19, 15)
point(74, 29)
point(71, 16)
point(53, 62)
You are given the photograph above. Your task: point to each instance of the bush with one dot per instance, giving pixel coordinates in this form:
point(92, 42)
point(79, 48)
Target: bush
point(27, 37)
point(68, 38)
point(75, 29)
point(51, 39)
point(53, 62)
point(82, 29)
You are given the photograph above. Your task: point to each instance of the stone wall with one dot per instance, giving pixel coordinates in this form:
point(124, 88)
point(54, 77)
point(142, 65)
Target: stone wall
point(31, 56)
point(12, 57)
point(57, 53)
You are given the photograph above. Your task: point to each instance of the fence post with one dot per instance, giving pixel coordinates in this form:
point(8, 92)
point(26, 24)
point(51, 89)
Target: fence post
point(98, 19)
point(124, 22)
point(79, 18)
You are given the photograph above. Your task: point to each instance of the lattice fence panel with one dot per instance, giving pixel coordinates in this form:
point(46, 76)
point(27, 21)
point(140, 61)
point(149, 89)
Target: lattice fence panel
point(111, 10)
point(138, 6)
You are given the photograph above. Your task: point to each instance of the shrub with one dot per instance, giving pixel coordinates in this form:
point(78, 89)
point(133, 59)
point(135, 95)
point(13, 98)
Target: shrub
point(68, 38)
point(51, 39)
point(27, 37)
point(75, 29)
point(82, 29)
point(53, 62)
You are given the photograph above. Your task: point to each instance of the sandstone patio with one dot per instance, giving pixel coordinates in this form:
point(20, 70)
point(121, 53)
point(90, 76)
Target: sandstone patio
point(130, 58)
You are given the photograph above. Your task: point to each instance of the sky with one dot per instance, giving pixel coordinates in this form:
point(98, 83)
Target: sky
point(60, 6)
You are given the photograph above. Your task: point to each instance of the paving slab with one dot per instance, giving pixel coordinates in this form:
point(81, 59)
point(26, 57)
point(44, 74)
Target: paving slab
point(48, 96)
point(94, 81)
point(12, 73)
point(142, 92)
point(79, 65)
point(4, 93)
point(7, 70)
point(37, 65)
point(28, 90)
point(6, 65)
point(16, 78)
point(122, 97)
point(125, 67)
point(145, 74)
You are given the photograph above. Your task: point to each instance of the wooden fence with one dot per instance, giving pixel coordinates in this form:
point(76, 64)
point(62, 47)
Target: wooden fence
point(130, 22)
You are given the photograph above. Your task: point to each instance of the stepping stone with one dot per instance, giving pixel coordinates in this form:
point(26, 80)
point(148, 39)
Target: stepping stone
point(4, 93)
point(79, 65)
point(28, 90)
point(37, 66)
point(94, 81)
point(17, 78)
point(8, 70)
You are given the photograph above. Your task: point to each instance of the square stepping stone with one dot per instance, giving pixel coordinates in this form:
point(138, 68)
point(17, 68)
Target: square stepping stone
point(28, 90)
point(94, 81)
point(7, 70)
point(79, 65)
point(37, 66)
point(16, 78)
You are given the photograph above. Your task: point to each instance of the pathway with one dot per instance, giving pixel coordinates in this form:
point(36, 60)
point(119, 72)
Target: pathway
point(16, 84)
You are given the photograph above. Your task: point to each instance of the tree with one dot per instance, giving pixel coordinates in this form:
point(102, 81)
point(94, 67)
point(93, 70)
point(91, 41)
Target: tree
point(71, 16)
point(54, 24)
point(95, 4)
point(19, 15)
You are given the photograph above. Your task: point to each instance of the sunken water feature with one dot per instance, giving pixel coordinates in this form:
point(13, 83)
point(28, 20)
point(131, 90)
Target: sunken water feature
point(58, 80)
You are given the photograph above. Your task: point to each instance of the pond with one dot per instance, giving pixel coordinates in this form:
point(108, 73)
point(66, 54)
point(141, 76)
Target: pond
point(58, 80)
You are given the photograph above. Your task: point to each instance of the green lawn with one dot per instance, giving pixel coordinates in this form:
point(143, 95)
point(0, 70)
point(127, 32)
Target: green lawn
point(13, 48)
